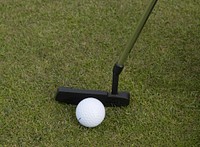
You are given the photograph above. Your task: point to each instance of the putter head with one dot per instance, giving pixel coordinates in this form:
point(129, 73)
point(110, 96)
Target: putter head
point(74, 96)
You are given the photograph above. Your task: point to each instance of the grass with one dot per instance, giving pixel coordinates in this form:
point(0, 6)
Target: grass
point(46, 44)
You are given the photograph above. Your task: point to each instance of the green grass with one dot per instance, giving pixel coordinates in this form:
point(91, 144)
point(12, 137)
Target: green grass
point(46, 44)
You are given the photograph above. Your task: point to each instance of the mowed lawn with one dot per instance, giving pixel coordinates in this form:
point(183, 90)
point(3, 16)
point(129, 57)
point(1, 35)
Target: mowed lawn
point(75, 43)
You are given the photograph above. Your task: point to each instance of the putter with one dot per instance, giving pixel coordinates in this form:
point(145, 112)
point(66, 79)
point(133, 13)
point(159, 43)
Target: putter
point(117, 99)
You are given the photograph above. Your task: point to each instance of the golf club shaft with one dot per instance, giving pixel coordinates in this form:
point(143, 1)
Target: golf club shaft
point(137, 32)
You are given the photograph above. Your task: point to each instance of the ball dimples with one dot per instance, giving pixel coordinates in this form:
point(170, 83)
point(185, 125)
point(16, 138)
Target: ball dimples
point(90, 112)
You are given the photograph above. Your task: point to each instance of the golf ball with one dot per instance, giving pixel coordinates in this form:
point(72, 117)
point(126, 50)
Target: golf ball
point(90, 112)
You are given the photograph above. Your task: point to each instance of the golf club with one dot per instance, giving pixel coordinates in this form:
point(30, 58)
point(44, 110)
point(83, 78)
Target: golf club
point(74, 96)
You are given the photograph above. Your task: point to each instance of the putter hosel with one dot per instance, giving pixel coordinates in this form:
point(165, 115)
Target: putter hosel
point(117, 69)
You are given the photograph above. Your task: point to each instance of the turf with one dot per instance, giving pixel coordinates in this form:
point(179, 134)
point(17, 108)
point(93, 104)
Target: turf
point(75, 43)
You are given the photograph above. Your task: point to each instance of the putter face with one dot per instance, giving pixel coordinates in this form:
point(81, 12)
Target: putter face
point(74, 96)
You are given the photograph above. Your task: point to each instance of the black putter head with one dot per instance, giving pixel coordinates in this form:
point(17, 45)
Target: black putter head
point(74, 96)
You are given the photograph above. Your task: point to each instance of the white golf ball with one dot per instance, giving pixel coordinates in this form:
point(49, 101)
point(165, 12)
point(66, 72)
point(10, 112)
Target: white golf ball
point(90, 112)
